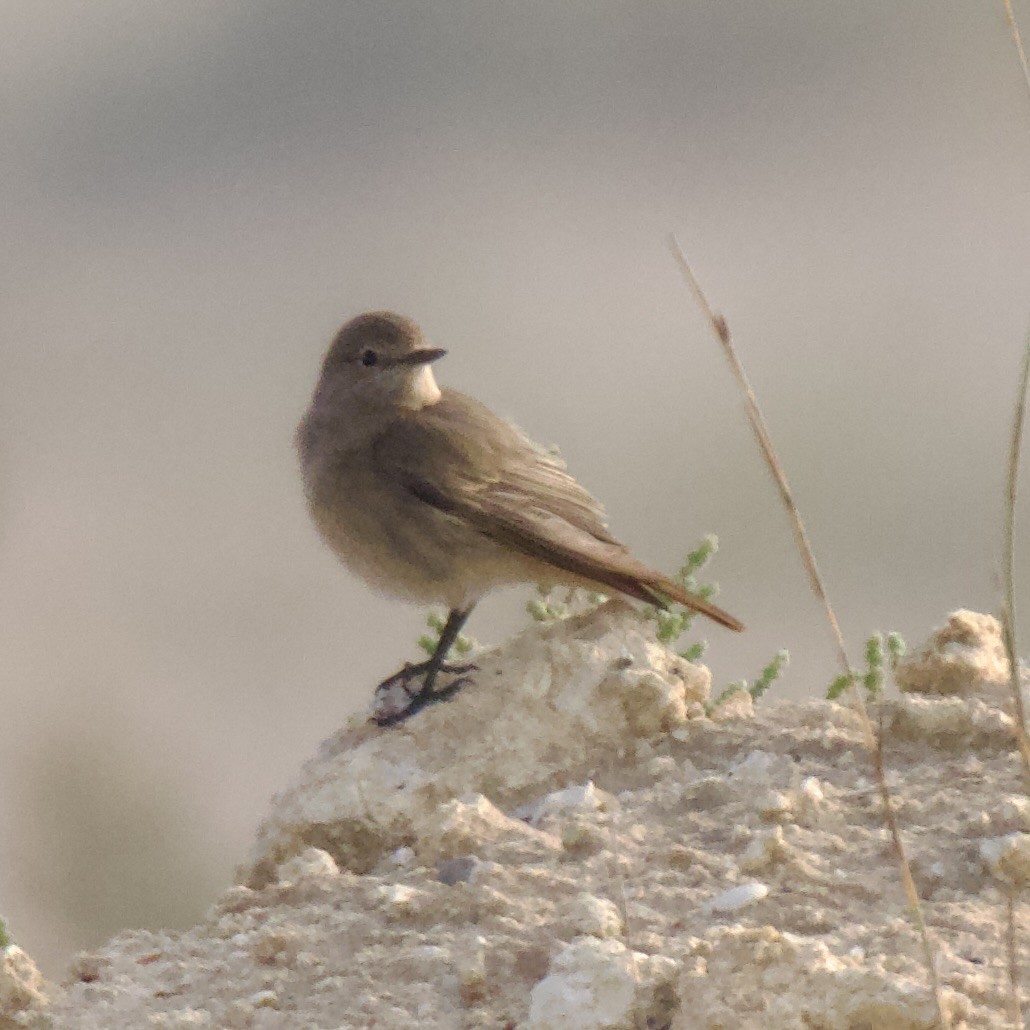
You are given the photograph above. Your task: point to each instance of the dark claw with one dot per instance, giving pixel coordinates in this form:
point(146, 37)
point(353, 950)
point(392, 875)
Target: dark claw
point(459, 670)
point(413, 671)
point(417, 700)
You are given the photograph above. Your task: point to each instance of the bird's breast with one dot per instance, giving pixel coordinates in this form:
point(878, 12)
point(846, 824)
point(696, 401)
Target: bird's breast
point(395, 542)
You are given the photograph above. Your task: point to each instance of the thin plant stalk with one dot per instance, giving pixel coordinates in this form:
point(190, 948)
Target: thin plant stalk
point(1008, 629)
point(1010, 17)
point(1015, 1008)
point(1008, 613)
point(721, 331)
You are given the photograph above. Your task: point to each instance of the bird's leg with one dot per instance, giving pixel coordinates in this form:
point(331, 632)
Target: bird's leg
point(387, 712)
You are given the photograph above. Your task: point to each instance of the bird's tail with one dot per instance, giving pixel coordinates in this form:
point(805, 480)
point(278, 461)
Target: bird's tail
point(652, 587)
point(661, 591)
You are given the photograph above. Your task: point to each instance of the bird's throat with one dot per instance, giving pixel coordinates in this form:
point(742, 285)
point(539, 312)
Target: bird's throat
point(422, 390)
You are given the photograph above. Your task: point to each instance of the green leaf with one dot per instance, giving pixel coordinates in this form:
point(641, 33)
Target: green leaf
point(896, 647)
point(726, 693)
point(695, 652)
point(839, 685)
point(770, 673)
point(873, 682)
point(874, 651)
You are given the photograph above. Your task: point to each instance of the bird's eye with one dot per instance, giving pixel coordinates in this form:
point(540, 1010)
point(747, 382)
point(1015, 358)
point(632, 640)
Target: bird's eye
point(369, 357)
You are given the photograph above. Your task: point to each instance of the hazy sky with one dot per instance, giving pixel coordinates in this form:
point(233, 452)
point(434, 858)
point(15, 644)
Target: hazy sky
point(196, 195)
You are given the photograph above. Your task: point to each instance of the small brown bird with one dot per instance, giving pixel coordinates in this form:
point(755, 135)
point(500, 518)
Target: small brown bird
point(429, 496)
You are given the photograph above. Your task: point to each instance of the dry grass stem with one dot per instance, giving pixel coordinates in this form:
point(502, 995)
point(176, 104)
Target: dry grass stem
point(721, 331)
point(1008, 612)
point(1010, 17)
point(757, 421)
point(1008, 627)
point(1015, 1008)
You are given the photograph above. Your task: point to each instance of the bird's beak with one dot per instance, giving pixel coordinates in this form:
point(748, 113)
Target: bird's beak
point(421, 357)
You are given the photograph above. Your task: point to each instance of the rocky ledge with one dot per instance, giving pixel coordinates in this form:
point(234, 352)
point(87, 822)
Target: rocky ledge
point(573, 842)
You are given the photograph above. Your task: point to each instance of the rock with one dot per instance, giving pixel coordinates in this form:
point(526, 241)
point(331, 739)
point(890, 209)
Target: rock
point(1012, 814)
point(578, 864)
point(810, 801)
point(1008, 858)
point(774, 805)
point(948, 723)
point(595, 984)
point(457, 870)
point(23, 993)
point(473, 825)
point(580, 800)
point(764, 850)
point(960, 658)
point(264, 1000)
point(588, 686)
point(587, 914)
point(762, 769)
point(756, 977)
point(312, 863)
point(738, 897)
point(739, 705)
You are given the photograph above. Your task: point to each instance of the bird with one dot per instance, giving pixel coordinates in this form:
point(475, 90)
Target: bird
point(428, 496)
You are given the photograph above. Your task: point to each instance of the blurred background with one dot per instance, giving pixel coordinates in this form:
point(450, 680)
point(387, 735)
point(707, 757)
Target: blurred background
point(195, 195)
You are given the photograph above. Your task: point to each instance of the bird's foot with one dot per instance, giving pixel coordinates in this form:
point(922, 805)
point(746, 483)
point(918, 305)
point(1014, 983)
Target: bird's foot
point(395, 700)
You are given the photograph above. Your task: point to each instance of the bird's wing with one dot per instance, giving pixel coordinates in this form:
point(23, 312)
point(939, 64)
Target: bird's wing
point(462, 455)
point(459, 457)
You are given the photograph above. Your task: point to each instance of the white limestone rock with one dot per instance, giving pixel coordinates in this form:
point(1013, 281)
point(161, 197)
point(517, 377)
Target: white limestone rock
point(310, 864)
point(751, 978)
point(474, 825)
point(739, 897)
point(552, 703)
point(962, 657)
point(1008, 858)
point(596, 984)
point(23, 992)
point(588, 915)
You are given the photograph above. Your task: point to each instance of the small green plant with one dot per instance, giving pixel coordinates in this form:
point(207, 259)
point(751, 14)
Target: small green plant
point(766, 678)
point(5, 937)
point(871, 680)
point(672, 622)
point(428, 642)
point(545, 607)
point(695, 652)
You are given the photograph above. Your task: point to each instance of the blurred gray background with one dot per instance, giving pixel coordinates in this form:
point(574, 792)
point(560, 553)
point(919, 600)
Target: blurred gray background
point(196, 195)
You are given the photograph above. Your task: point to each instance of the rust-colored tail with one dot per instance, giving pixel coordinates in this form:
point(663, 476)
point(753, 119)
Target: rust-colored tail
point(659, 590)
point(663, 590)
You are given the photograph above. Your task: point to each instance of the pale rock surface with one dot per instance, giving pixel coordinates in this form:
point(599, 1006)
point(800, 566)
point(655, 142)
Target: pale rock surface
point(738, 897)
point(962, 657)
point(589, 914)
point(593, 984)
point(750, 978)
point(23, 992)
point(588, 688)
point(543, 850)
point(1008, 858)
point(463, 825)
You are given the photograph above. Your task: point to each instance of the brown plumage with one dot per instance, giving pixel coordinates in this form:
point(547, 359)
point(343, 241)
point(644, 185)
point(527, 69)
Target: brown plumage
point(461, 459)
point(426, 494)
